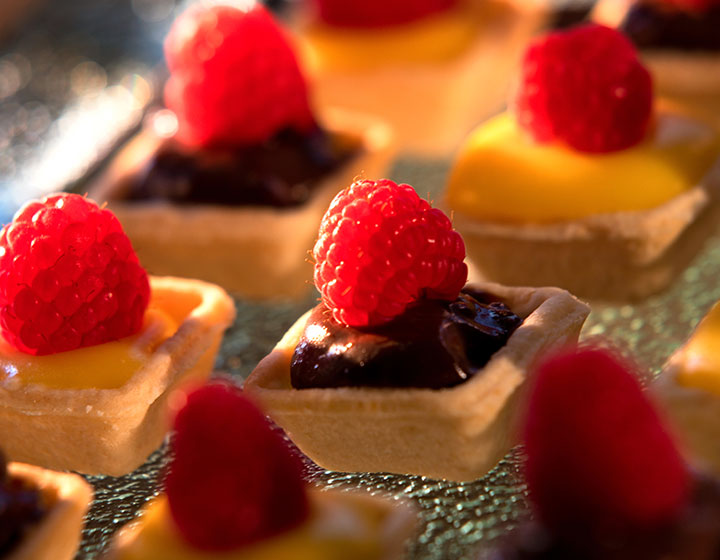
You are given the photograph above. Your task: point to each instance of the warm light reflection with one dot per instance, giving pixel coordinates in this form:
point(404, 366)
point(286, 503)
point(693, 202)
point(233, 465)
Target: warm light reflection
point(316, 333)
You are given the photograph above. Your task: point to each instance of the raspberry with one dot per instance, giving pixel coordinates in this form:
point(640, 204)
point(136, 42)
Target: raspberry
point(380, 248)
point(599, 457)
point(585, 87)
point(378, 13)
point(70, 277)
point(234, 77)
point(233, 480)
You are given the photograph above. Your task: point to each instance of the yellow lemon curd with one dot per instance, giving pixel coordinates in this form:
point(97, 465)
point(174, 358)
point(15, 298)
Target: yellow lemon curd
point(333, 532)
point(430, 40)
point(503, 175)
point(700, 367)
point(104, 366)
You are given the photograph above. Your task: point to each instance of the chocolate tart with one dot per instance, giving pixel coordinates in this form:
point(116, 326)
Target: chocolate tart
point(254, 251)
point(57, 535)
point(615, 256)
point(112, 431)
point(386, 524)
point(431, 106)
point(456, 433)
point(689, 76)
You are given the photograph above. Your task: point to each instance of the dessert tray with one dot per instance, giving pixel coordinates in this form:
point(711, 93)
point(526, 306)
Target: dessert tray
point(38, 106)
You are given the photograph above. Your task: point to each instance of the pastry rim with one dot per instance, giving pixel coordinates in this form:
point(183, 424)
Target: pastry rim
point(500, 379)
point(71, 497)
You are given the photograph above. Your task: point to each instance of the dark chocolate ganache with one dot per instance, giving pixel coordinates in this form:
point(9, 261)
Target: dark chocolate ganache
point(20, 507)
point(280, 172)
point(695, 535)
point(433, 344)
point(656, 26)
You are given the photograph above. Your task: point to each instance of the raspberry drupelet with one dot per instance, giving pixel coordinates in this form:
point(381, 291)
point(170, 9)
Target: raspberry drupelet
point(69, 277)
point(381, 247)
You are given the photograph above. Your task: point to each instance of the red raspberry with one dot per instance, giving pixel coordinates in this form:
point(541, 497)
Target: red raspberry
point(234, 77)
point(585, 87)
point(599, 457)
point(380, 248)
point(233, 480)
point(70, 277)
point(378, 13)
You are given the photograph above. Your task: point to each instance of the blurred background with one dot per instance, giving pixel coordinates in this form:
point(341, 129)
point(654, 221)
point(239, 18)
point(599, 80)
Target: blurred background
point(75, 79)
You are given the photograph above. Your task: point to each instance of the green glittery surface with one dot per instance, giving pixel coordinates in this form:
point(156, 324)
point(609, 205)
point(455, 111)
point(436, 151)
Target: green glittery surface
point(455, 520)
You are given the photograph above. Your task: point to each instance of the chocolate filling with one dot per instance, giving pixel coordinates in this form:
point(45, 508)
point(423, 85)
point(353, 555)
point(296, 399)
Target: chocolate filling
point(433, 345)
point(280, 172)
point(695, 535)
point(20, 507)
point(651, 25)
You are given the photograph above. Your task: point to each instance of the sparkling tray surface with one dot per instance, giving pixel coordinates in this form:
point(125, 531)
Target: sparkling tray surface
point(102, 70)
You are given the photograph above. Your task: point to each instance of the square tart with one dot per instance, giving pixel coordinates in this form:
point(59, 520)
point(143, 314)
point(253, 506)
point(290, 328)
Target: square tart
point(694, 412)
point(457, 433)
point(389, 523)
point(620, 256)
point(431, 107)
point(57, 535)
point(112, 431)
point(691, 78)
point(258, 252)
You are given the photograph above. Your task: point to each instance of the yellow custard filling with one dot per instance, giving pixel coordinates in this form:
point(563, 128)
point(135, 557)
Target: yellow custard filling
point(104, 366)
point(503, 175)
point(433, 39)
point(700, 367)
point(334, 531)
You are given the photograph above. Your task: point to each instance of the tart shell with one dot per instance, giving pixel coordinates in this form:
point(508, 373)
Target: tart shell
point(457, 433)
point(432, 107)
point(112, 431)
point(617, 256)
point(258, 252)
point(57, 535)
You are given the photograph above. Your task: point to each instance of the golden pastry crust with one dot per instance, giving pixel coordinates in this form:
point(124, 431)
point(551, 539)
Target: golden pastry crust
point(457, 433)
point(112, 431)
point(57, 534)
point(616, 256)
point(432, 107)
point(390, 523)
point(255, 251)
point(692, 411)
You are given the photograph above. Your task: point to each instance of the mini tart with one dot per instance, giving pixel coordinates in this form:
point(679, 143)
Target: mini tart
point(57, 535)
point(689, 389)
point(258, 252)
point(113, 430)
point(430, 105)
point(342, 526)
point(692, 78)
point(403, 430)
point(611, 255)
